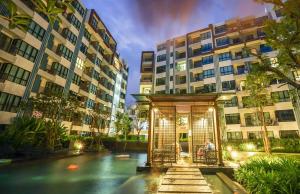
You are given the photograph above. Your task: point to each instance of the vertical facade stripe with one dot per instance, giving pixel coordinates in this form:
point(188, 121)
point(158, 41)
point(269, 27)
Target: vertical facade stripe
point(75, 55)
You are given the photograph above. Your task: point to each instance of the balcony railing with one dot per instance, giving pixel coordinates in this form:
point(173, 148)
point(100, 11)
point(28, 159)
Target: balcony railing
point(180, 56)
point(194, 40)
point(146, 80)
point(180, 44)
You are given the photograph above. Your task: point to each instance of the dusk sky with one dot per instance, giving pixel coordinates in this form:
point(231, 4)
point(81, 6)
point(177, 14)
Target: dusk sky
point(139, 25)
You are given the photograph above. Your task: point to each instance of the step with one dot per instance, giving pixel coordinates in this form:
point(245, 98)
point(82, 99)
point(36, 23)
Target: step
point(184, 169)
point(184, 173)
point(183, 193)
point(183, 177)
point(185, 189)
point(183, 182)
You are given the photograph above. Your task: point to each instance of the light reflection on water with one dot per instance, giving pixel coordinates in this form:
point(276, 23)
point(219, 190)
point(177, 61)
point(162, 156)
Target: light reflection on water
point(95, 174)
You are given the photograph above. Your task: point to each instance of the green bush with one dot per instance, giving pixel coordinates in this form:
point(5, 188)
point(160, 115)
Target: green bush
point(277, 145)
point(29, 134)
point(109, 139)
point(270, 175)
point(131, 138)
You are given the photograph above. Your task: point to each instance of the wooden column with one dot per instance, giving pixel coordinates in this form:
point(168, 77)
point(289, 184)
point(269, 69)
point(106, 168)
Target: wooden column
point(218, 136)
point(149, 148)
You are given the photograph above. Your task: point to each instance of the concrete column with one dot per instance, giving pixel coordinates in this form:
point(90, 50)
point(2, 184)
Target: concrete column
point(218, 136)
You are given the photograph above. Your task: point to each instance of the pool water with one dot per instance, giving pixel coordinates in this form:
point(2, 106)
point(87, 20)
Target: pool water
point(91, 174)
point(217, 185)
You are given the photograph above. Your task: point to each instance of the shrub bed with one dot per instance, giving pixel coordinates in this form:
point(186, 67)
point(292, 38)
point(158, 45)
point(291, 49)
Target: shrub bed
point(270, 175)
point(277, 145)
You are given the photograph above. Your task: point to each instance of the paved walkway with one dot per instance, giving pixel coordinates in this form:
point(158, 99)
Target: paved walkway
point(184, 180)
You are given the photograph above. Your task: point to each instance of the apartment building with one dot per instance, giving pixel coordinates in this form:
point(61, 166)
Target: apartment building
point(77, 56)
point(212, 60)
point(147, 68)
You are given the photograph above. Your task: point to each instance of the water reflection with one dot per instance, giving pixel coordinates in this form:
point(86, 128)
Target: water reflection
point(95, 174)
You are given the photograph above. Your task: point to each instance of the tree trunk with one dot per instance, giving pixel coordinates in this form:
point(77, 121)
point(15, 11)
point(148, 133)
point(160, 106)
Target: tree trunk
point(138, 135)
point(265, 132)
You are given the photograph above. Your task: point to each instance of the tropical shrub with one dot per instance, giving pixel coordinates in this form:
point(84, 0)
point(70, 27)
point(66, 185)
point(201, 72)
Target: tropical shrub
point(270, 175)
point(291, 145)
point(28, 134)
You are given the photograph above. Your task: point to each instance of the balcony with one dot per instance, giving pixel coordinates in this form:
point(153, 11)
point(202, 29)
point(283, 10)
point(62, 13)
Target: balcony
point(107, 58)
point(194, 40)
point(84, 86)
point(180, 55)
point(147, 60)
point(146, 80)
point(88, 72)
point(195, 64)
point(91, 57)
point(180, 44)
point(95, 45)
point(181, 81)
point(147, 70)
point(196, 52)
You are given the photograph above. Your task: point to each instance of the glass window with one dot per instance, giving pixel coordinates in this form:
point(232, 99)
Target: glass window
point(228, 85)
point(235, 135)
point(36, 30)
point(206, 47)
point(207, 60)
point(232, 118)
point(224, 56)
point(160, 81)
point(161, 69)
point(222, 41)
point(9, 102)
point(209, 88)
point(13, 73)
point(285, 115)
point(208, 73)
point(220, 29)
point(289, 134)
point(226, 70)
point(181, 66)
point(281, 96)
point(231, 103)
point(23, 49)
point(161, 58)
point(205, 35)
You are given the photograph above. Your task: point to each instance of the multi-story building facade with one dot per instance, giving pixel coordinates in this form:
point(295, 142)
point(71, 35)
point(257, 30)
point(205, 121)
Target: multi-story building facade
point(147, 68)
point(76, 56)
point(212, 60)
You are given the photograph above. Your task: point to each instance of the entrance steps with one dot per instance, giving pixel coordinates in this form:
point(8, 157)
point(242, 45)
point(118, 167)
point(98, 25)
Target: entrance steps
point(184, 180)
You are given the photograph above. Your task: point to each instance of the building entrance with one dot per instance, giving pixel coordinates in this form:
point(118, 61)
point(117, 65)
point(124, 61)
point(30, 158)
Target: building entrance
point(184, 131)
point(183, 126)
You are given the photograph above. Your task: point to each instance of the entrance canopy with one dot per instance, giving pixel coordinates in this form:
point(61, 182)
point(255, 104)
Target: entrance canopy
point(211, 97)
point(172, 116)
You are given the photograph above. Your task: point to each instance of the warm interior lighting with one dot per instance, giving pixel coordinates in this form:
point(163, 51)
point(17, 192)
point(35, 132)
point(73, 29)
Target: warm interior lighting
point(155, 110)
point(229, 148)
point(210, 109)
point(250, 147)
point(234, 155)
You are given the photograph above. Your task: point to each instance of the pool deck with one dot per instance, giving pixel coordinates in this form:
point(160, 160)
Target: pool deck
point(184, 180)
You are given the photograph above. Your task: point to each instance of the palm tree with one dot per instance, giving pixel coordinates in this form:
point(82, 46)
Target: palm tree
point(50, 9)
point(65, 4)
point(8, 12)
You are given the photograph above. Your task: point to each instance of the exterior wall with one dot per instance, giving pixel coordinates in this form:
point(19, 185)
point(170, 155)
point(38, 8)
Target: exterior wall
point(93, 61)
point(197, 64)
